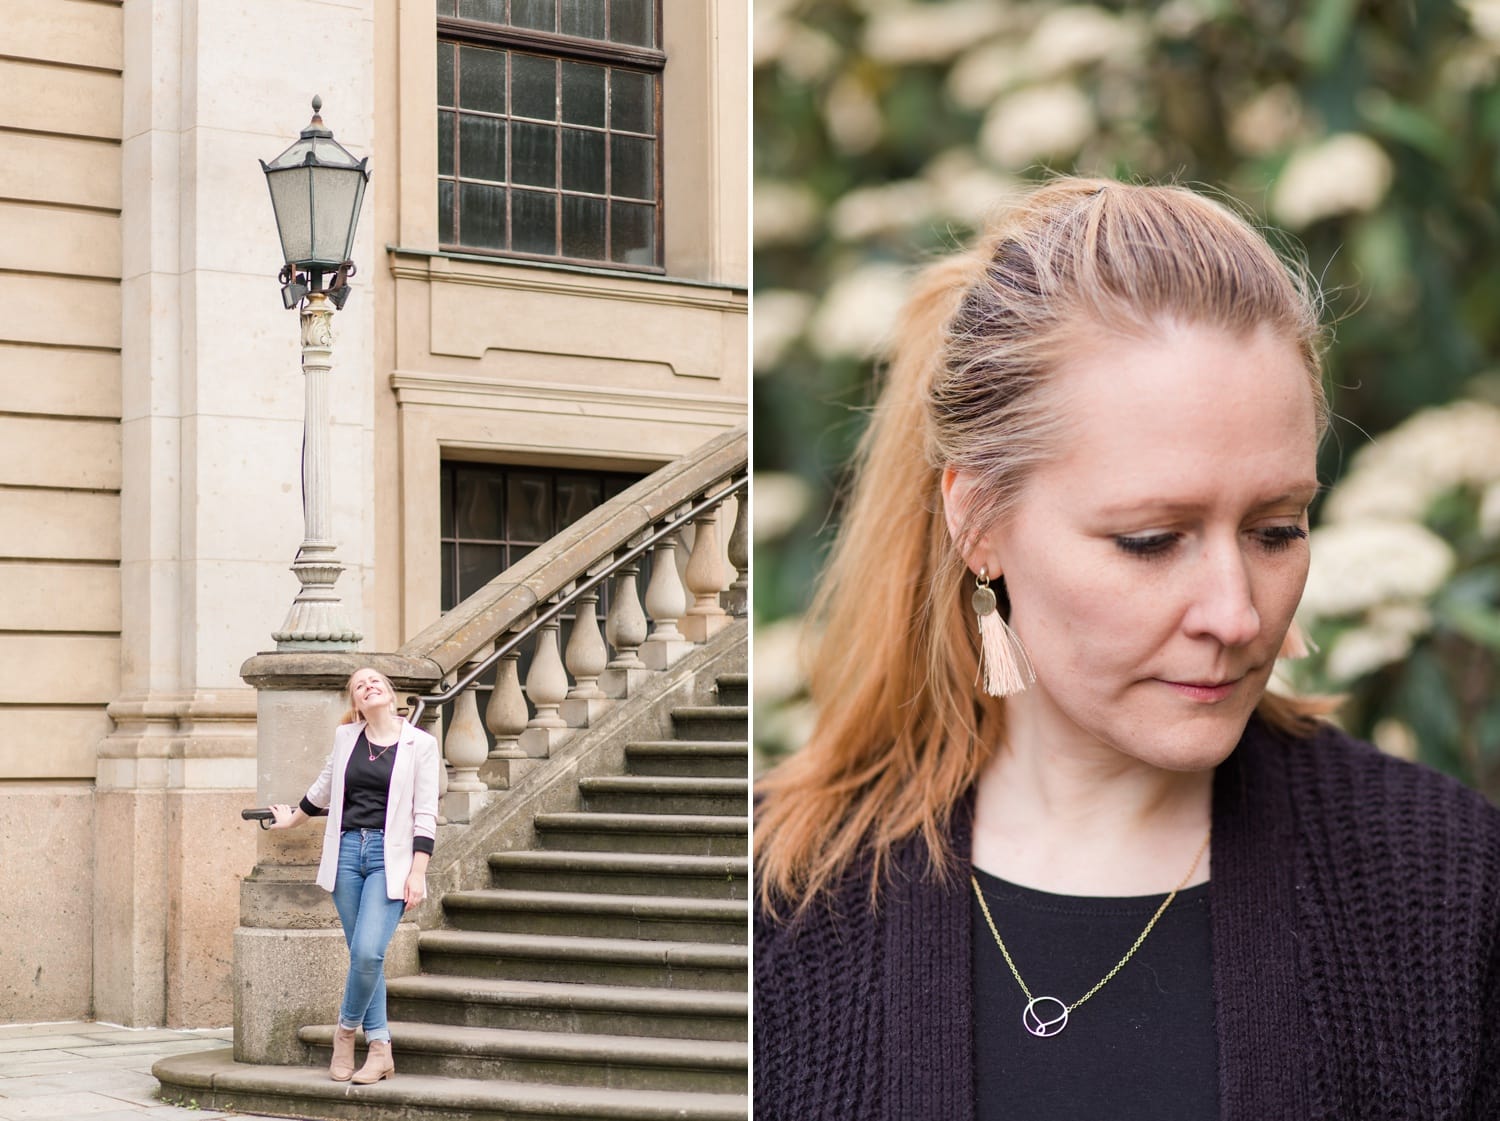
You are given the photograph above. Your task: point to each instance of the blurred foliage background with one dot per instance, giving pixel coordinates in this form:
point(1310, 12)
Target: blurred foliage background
point(886, 129)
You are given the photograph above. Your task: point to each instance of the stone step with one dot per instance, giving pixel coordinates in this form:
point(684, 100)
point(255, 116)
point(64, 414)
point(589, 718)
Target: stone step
point(625, 873)
point(650, 794)
point(213, 1080)
point(556, 1006)
point(688, 758)
point(681, 834)
point(711, 722)
point(600, 914)
point(562, 1058)
point(734, 688)
point(606, 961)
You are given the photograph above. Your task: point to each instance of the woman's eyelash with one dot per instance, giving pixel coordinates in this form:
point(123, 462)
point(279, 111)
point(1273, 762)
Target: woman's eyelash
point(1278, 537)
point(1272, 538)
point(1149, 546)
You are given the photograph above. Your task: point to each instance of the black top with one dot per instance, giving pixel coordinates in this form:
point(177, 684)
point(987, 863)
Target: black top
point(1355, 911)
point(1140, 1049)
point(367, 784)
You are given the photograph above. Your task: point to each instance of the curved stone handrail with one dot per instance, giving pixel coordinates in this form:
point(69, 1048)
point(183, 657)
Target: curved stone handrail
point(514, 594)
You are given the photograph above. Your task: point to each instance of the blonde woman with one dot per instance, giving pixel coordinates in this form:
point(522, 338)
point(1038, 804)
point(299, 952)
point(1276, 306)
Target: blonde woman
point(1053, 850)
point(380, 790)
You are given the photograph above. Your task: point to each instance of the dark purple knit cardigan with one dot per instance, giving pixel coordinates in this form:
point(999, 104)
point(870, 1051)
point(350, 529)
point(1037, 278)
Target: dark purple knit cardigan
point(1355, 905)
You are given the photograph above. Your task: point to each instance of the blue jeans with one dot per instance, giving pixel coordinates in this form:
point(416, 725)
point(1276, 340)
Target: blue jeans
point(369, 920)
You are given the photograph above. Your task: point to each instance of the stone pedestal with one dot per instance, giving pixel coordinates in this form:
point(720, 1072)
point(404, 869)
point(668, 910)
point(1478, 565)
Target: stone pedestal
point(581, 712)
point(621, 683)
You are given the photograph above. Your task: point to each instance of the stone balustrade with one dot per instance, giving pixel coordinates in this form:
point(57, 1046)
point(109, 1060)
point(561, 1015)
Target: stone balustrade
point(696, 587)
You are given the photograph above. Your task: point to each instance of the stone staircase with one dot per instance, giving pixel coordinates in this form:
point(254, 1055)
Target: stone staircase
point(600, 972)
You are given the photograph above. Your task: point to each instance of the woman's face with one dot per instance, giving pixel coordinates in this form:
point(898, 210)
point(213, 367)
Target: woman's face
point(369, 691)
point(1153, 567)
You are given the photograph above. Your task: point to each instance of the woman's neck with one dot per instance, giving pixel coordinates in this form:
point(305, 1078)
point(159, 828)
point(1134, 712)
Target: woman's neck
point(382, 726)
point(1077, 817)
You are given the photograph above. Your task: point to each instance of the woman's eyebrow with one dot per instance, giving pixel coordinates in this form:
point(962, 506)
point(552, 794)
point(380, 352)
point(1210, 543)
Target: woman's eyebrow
point(1300, 494)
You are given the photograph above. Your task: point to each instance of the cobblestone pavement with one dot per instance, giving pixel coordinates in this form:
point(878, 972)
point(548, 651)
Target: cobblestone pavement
point(95, 1072)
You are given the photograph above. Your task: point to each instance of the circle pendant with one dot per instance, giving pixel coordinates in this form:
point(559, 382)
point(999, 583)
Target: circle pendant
point(1044, 1016)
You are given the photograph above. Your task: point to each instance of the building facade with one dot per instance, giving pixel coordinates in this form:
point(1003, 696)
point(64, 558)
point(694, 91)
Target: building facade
point(550, 300)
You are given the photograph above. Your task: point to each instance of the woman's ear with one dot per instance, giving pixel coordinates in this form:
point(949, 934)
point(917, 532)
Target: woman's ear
point(955, 500)
point(978, 552)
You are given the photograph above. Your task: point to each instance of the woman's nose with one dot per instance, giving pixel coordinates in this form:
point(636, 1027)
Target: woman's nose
point(1223, 606)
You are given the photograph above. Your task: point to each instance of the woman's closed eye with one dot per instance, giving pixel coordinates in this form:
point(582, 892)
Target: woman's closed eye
point(1272, 538)
point(1147, 544)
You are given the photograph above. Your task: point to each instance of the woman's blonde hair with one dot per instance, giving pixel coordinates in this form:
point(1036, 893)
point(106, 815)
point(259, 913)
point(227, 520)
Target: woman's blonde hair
point(351, 714)
point(902, 732)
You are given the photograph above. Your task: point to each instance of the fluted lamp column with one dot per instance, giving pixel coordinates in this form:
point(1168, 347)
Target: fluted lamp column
point(317, 187)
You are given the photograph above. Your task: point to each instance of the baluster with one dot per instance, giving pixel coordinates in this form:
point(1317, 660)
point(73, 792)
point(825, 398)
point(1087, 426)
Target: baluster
point(547, 688)
point(705, 579)
point(737, 596)
point(665, 604)
point(586, 660)
point(625, 627)
point(465, 748)
point(505, 717)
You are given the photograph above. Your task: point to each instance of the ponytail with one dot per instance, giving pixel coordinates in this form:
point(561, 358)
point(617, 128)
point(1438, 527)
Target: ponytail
point(900, 730)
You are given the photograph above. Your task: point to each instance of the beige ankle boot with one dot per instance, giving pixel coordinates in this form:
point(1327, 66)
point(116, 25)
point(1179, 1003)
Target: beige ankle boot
point(378, 1064)
point(342, 1067)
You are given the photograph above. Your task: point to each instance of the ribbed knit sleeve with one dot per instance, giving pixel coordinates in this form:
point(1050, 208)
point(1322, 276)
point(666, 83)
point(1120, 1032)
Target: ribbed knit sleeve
point(817, 1013)
point(1395, 872)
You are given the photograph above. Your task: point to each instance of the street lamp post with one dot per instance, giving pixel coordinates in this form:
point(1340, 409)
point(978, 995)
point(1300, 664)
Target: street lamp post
point(316, 187)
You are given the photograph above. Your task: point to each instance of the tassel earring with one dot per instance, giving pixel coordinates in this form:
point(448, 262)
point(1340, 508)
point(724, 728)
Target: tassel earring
point(1296, 644)
point(1002, 662)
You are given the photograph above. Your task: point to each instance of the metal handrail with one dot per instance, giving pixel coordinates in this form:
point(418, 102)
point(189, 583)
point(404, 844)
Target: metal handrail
point(545, 617)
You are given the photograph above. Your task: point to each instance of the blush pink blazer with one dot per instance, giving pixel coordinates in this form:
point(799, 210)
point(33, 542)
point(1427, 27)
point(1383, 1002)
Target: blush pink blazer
point(410, 811)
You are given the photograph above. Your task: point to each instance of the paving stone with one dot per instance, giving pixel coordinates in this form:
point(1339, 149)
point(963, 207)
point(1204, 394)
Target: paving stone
point(56, 1107)
point(44, 1043)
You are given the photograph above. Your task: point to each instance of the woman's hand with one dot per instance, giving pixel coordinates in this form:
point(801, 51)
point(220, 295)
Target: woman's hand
point(416, 888)
point(286, 817)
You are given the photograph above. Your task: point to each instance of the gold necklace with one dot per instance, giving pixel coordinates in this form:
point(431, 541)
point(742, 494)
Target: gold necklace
point(1040, 1019)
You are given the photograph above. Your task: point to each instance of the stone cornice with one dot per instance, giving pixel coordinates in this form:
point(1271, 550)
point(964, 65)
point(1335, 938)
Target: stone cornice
point(481, 392)
point(434, 268)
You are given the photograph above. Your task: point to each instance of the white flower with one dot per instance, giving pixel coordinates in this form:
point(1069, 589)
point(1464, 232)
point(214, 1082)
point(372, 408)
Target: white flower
point(1177, 19)
point(777, 319)
point(1484, 15)
point(859, 311)
point(807, 54)
point(965, 189)
point(1401, 472)
point(1357, 565)
point(919, 33)
point(1395, 737)
point(876, 210)
point(1078, 35)
point(1489, 511)
point(778, 654)
point(1347, 173)
point(785, 213)
point(1363, 651)
point(855, 122)
point(1268, 122)
point(1037, 124)
point(983, 74)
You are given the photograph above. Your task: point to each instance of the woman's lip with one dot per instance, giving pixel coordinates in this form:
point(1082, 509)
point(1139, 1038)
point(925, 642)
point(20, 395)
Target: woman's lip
point(1205, 692)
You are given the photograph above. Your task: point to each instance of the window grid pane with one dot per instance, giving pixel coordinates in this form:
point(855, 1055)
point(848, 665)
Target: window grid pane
point(493, 516)
point(501, 113)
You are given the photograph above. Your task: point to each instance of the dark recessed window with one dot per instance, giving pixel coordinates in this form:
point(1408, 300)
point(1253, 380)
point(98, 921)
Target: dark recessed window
point(549, 129)
point(494, 515)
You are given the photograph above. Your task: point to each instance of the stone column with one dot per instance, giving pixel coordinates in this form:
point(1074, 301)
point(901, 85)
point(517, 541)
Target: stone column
point(316, 620)
point(289, 953)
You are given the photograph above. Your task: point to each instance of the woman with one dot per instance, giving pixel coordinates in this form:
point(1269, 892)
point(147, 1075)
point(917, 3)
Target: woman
point(1121, 879)
point(380, 790)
